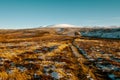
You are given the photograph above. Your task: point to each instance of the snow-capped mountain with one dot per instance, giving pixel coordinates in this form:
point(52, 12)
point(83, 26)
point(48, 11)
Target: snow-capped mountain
point(76, 26)
point(94, 31)
point(61, 26)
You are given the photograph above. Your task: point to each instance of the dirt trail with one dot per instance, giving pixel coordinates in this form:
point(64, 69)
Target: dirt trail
point(75, 51)
point(86, 72)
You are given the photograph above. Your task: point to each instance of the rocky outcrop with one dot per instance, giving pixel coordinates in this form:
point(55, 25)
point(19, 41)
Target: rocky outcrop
point(102, 33)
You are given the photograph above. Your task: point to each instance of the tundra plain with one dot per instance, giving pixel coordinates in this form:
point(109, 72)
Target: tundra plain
point(60, 54)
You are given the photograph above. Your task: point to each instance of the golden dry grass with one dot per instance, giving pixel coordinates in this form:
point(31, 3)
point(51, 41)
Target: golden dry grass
point(34, 55)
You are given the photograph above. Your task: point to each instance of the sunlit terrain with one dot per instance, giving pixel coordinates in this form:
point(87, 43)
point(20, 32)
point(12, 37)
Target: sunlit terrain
point(59, 54)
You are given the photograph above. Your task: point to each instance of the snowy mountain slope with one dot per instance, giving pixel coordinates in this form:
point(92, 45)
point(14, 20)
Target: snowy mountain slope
point(61, 26)
point(98, 32)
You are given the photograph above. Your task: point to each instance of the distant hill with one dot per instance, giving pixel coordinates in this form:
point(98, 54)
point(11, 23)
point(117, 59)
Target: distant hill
point(68, 30)
point(61, 26)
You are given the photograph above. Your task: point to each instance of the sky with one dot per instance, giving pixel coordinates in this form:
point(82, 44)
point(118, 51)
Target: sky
point(35, 13)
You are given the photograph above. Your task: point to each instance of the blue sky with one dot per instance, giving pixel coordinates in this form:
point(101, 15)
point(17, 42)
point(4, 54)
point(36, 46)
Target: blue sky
point(35, 13)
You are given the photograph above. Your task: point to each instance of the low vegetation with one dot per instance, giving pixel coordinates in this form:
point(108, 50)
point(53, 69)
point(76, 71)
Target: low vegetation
point(44, 54)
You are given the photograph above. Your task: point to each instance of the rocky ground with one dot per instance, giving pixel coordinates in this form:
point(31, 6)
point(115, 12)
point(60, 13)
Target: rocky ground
point(57, 54)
